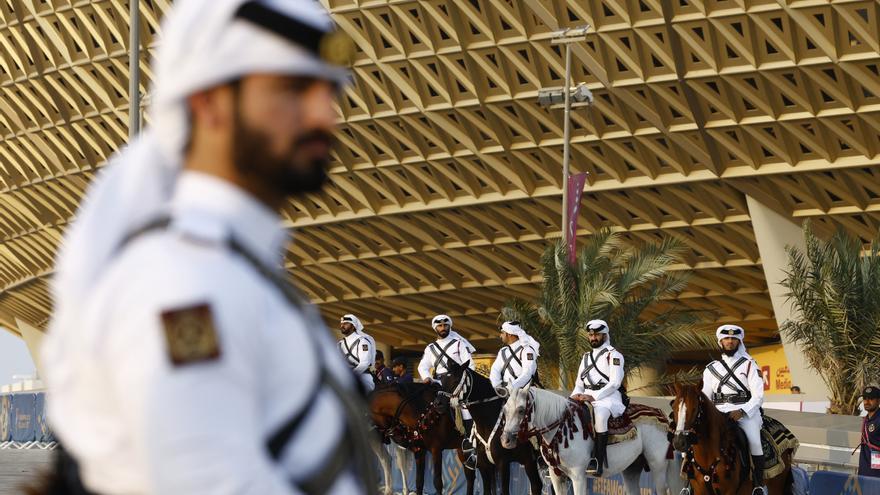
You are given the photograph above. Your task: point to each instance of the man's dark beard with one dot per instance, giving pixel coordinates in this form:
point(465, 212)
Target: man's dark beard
point(730, 353)
point(443, 333)
point(596, 345)
point(287, 173)
point(345, 332)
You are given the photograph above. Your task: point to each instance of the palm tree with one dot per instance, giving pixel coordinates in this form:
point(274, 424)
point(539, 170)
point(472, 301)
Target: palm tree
point(835, 290)
point(615, 282)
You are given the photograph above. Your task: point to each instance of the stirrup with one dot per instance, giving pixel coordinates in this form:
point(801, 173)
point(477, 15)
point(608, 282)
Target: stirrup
point(685, 491)
point(593, 467)
point(759, 490)
point(471, 461)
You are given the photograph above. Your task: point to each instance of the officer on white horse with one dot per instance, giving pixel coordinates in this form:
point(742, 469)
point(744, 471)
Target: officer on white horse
point(735, 384)
point(598, 381)
point(517, 361)
point(358, 349)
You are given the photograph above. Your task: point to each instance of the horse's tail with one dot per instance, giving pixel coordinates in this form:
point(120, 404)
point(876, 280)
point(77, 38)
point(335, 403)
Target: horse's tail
point(788, 487)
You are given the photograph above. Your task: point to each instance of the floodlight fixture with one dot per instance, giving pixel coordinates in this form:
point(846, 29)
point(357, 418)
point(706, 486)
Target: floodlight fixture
point(570, 35)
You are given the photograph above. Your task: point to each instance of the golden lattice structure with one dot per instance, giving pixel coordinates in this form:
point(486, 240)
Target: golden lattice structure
point(447, 184)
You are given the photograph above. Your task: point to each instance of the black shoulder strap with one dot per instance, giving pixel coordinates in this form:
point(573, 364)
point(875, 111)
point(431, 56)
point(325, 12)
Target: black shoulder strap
point(349, 351)
point(594, 365)
point(732, 375)
point(440, 355)
point(717, 375)
point(508, 360)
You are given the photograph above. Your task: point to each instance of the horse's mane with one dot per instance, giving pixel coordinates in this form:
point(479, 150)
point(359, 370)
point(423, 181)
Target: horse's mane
point(413, 388)
point(549, 406)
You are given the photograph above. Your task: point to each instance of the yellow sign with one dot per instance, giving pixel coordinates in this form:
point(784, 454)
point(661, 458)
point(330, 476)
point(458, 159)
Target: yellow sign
point(774, 366)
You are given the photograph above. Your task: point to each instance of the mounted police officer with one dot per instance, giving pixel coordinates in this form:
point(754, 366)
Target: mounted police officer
point(599, 379)
point(734, 383)
point(358, 349)
point(179, 358)
point(517, 361)
point(449, 346)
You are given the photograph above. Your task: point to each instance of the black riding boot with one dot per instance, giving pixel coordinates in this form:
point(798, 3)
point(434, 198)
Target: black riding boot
point(758, 475)
point(594, 467)
point(470, 454)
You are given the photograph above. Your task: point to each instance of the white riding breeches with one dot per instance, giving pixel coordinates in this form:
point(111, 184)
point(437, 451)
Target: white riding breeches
point(601, 415)
point(752, 428)
point(465, 414)
point(367, 380)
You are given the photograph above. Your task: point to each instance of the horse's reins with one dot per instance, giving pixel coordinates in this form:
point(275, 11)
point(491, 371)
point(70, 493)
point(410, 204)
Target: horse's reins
point(411, 435)
point(465, 384)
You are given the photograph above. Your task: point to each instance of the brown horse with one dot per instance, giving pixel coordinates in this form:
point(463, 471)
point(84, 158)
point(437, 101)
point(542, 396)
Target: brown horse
point(416, 418)
point(713, 456)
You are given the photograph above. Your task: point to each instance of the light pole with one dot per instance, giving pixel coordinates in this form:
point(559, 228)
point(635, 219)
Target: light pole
point(553, 97)
point(134, 69)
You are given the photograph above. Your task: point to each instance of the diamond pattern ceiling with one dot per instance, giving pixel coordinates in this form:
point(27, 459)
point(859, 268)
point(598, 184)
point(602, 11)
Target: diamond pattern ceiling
point(447, 183)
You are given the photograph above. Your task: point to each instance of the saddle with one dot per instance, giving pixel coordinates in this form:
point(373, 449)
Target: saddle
point(776, 439)
point(623, 427)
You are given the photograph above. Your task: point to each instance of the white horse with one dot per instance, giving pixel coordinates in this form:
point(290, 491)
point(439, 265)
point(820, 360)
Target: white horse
point(554, 418)
point(385, 462)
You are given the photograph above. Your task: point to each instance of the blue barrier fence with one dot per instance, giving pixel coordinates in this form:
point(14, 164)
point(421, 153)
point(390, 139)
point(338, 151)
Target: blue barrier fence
point(23, 418)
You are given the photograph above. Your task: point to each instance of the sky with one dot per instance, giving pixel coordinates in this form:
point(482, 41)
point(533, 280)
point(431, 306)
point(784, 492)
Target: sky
point(14, 357)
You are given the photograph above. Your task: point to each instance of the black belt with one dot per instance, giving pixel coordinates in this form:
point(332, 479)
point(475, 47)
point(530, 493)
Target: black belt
point(740, 398)
point(598, 386)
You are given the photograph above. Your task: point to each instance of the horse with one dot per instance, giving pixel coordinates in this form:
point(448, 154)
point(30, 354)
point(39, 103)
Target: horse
point(384, 456)
point(714, 458)
point(562, 427)
point(415, 417)
point(470, 389)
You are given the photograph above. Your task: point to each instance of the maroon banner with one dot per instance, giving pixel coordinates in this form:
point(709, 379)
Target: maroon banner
point(575, 189)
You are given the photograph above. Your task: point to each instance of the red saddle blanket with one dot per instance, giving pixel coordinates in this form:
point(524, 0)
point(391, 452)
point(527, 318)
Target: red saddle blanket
point(634, 412)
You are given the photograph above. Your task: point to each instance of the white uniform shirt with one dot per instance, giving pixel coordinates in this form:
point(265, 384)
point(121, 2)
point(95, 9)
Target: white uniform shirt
point(515, 365)
point(138, 424)
point(748, 374)
point(359, 350)
point(457, 348)
point(609, 363)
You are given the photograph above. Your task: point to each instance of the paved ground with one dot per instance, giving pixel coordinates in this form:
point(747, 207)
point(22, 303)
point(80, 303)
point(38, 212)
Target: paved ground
point(18, 467)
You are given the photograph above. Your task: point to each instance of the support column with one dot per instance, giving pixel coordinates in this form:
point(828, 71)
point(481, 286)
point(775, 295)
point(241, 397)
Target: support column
point(774, 232)
point(33, 338)
point(638, 380)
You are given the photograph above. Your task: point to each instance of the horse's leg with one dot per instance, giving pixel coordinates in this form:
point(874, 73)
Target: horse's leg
point(384, 461)
point(631, 476)
point(536, 484)
point(487, 474)
point(560, 487)
point(655, 445)
point(505, 477)
point(437, 461)
point(401, 456)
point(420, 471)
point(579, 482)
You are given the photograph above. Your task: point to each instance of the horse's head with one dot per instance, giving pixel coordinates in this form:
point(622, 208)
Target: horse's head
point(516, 413)
point(687, 414)
point(453, 382)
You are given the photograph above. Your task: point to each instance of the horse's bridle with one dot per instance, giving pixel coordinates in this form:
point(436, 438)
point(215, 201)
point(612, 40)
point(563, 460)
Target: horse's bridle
point(691, 433)
point(565, 427)
point(709, 474)
point(465, 387)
